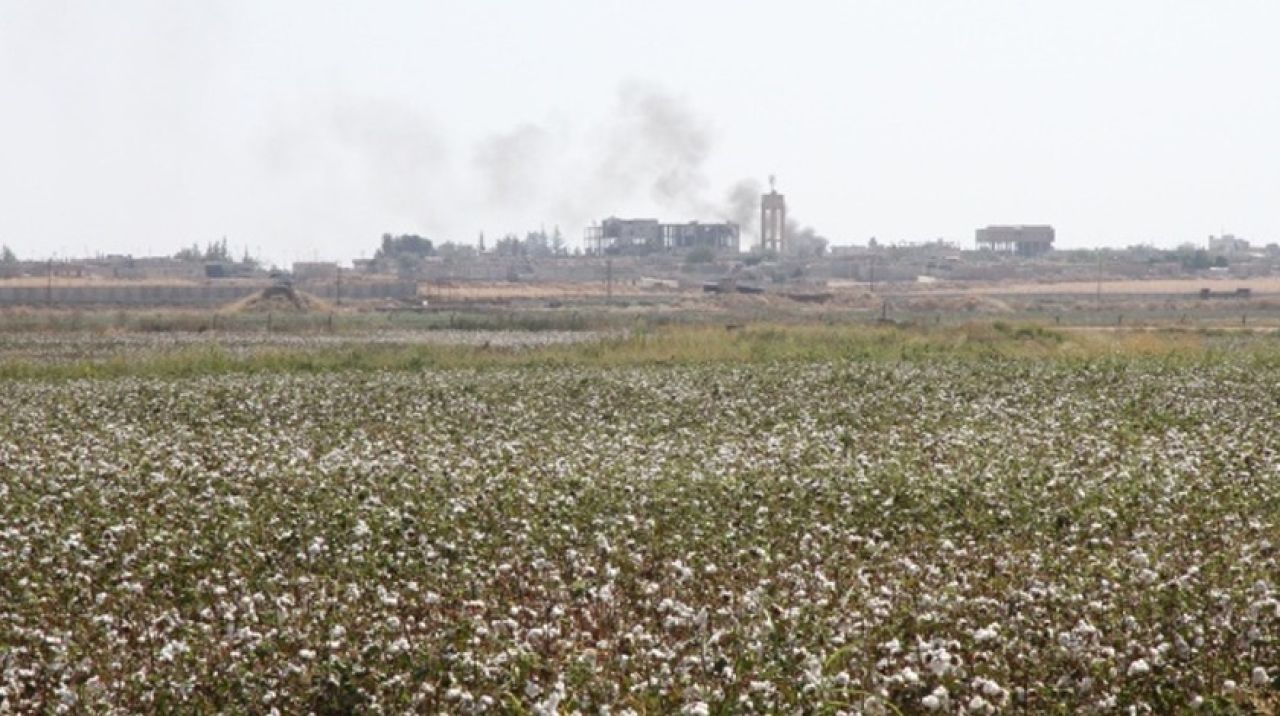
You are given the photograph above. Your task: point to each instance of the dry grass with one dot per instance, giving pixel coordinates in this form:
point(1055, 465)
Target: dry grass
point(757, 344)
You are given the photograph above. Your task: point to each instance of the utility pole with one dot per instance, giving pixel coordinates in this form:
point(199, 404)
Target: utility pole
point(337, 289)
point(608, 272)
point(1099, 296)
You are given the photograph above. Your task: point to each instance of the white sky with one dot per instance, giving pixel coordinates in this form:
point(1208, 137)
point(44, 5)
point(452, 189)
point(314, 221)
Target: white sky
point(305, 129)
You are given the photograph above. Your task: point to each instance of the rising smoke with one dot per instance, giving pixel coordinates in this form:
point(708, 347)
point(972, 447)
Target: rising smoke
point(804, 239)
point(651, 149)
point(657, 139)
point(399, 152)
point(510, 165)
point(742, 205)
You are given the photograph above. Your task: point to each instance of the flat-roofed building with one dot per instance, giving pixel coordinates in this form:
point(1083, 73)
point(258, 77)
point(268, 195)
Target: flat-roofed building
point(1020, 239)
point(1228, 244)
point(645, 236)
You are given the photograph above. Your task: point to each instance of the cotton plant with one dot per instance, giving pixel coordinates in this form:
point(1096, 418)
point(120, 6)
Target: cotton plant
point(848, 537)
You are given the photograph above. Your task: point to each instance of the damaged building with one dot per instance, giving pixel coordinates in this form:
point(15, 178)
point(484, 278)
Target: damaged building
point(1021, 240)
point(615, 236)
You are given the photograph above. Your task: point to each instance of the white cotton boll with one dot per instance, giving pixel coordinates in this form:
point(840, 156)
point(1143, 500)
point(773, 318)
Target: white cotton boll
point(1229, 687)
point(1181, 646)
point(979, 705)
point(991, 689)
point(93, 687)
point(1139, 668)
point(171, 650)
point(941, 662)
point(1259, 677)
point(938, 699)
point(987, 633)
point(550, 706)
point(874, 706)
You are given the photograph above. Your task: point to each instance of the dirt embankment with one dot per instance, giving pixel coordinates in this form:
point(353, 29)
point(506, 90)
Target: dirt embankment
point(279, 299)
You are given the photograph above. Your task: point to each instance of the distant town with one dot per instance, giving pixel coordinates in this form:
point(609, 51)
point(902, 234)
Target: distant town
point(645, 253)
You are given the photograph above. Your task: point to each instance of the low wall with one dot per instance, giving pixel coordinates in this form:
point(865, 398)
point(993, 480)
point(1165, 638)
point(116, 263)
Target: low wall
point(202, 295)
point(371, 291)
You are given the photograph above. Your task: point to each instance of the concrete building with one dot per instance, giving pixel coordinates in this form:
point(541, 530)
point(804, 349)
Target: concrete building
point(616, 236)
point(773, 221)
point(1228, 244)
point(315, 270)
point(1022, 240)
point(694, 235)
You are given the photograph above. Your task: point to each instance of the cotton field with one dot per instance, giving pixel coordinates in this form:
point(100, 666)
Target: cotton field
point(937, 536)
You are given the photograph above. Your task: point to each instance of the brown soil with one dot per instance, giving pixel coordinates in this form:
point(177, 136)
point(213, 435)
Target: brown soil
point(497, 290)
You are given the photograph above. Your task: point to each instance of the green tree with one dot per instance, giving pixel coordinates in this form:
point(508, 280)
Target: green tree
point(217, 251)
point(451, 251)
point(190, 253)
point(404, 246)
point(536, 243)
point(1196, 260)
point(509, 245)
point(214, 252)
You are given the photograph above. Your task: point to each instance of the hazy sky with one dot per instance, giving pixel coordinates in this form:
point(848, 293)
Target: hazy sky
point(305, 129)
